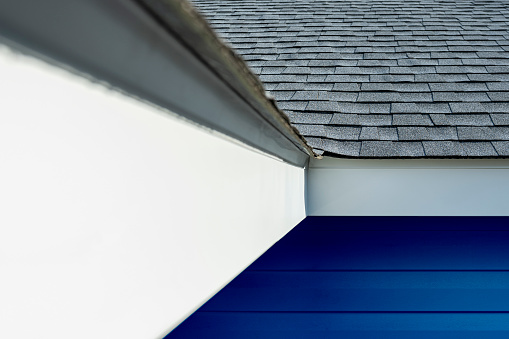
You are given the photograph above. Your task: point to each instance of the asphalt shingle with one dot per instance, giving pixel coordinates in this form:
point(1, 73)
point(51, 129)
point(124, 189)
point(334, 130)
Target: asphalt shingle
point(479, 149)
point(462, 119)
point(369, 133)
point(502, 147)
point(443, 149)
point(391, 149)
point(484, 133)
point(342, 132)
point(426, 78)
point(344, 148)
point(411, 120)
point(309, 118)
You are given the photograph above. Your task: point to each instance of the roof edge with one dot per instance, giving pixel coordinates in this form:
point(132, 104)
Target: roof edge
point(183, 21)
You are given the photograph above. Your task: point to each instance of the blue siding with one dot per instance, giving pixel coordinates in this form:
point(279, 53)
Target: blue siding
point(369, 277)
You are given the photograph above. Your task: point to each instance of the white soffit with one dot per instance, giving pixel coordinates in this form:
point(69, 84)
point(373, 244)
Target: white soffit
point(417, 187)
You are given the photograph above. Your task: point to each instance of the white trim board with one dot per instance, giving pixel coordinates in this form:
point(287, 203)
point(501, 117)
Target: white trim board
point(417, 187)
point(120, 219)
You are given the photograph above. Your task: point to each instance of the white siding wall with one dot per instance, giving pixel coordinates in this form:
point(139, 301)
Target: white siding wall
point(117, 219)
point(408, 187)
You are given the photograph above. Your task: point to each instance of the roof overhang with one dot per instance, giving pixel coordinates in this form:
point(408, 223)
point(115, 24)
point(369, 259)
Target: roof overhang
point(162, 52)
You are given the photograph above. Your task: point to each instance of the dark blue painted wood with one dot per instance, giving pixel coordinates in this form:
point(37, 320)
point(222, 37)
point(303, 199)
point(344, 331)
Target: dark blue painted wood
point(364, 291)
point(389, 243)
point(367, 277)
point(343, 325)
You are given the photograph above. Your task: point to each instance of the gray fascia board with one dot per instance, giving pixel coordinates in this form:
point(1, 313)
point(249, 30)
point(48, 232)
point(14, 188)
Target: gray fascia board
point(120, 43)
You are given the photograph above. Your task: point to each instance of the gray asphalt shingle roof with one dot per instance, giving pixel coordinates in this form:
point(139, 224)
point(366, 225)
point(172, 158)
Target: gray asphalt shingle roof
point(367, 78)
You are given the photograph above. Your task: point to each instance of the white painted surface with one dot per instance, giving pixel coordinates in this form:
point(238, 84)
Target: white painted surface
point(117, 219)
point(408, 187)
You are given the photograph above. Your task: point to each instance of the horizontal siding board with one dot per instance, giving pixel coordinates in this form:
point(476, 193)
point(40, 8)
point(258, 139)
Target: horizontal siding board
point(364, 291)
point(388, 250)
point(402, 223)
point(330, 334)
point(305, 325)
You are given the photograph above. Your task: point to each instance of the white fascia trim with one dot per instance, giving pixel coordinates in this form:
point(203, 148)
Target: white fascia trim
point(329, 162)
